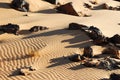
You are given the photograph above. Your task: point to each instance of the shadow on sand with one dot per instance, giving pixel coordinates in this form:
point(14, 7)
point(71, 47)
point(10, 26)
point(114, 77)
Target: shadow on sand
point(59, 61)
point(24, 32)
point(47, 11)
point(80, 39)
point(5, 5)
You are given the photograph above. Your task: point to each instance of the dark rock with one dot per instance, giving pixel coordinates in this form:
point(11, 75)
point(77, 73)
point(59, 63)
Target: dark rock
point(94, 32)
point(37, 28)
point(101, 40)
point(103, 63)
point(115, 39)
point(51, 1)
point(115, 76)
point(21, 5)
point(110, 7)
point(25, 15)
point(117, 0)
point(112, 51)
point(75, 26)
point(97, 36)
point(10, 28)
point(88, 52)
point(75, 58)
point(91, 63)
point(87, 5)
point(67, 9)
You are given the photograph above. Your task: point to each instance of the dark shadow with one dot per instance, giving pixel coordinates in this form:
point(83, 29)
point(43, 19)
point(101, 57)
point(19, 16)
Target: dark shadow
point(24, 32)
point(59, 61)
point(100, 7)
point(15, 73)
point(47, 11)
point(77, 67)
point(81, 45)
point(78, 37)
point(101, 56)
point(56, 32)
point(104, 79)
point(5, 5)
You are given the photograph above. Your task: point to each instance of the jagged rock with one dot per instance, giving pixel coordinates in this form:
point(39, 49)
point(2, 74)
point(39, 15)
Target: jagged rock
point(115, 39)
point(67, 9)
point(112, 51)
point(115, 76)
point(21, 5)
point(24, 72)
point(91, 63)
point(111, 7)
point(104, 63)
point(94, 32)
point(88, 52)
point(87, 5)
point(75, 26)
point(52, 1)
point(10, 28)
point(75, 58)
point(37, 28)
point(94, 1)
point(97, 36)
point(117, 0)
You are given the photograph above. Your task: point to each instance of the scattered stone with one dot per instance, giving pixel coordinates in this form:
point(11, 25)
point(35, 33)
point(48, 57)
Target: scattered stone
point(21, 5)
point(26, 71)
point(115, 76)
point(100, 6)
point(67, 9)
point(115, 39)
point(94, 32)
point(32, 68)
point(104, 63)
point(51, 1)
point(97, 36)
point(94, 2)
point(75, 26)
point(10, 28)
point(111, 7)
point(87, 5)
point(75, 58)
point(91, 63)
point(37, 28)
point(88, 52)
point(117, 0)
point(25, 15)
point(112, 51)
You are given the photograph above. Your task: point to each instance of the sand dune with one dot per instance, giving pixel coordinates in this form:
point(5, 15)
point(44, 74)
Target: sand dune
point(47, 50)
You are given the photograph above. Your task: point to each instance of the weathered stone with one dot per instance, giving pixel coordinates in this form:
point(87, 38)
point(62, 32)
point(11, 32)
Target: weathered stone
point(88, 52)
point(10, 28)
point(75, 26)
point(21, 5)
point(75, 58)
point(37, 28)
point(67, 9)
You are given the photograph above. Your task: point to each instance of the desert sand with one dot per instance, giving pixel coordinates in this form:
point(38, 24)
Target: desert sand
point(46, 50)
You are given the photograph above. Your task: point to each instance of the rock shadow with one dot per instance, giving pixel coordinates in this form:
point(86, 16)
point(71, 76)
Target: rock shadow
point(5, 5)
point(58, 61)
point(47, 11)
